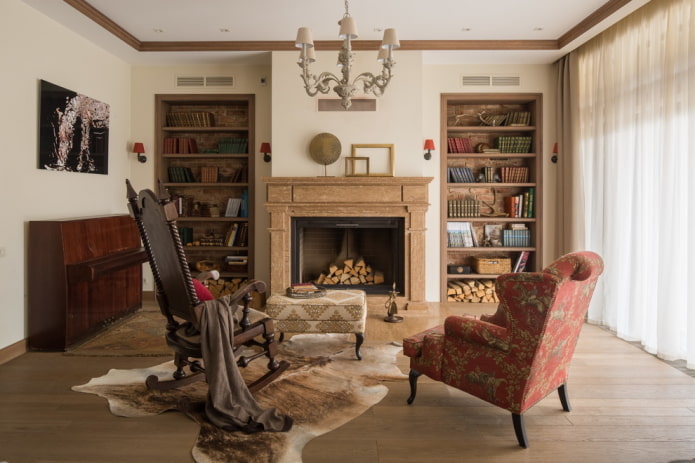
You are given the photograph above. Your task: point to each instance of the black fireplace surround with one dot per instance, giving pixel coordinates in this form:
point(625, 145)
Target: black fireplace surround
point(318, 242)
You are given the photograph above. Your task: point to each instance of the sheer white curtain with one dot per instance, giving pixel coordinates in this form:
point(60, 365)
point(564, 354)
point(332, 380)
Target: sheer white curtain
point(633, 145)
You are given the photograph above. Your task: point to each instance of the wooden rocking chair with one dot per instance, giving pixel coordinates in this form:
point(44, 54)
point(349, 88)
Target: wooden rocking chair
point(179, 301)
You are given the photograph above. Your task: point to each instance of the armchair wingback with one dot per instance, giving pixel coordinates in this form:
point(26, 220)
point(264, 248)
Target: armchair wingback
point(521, 353)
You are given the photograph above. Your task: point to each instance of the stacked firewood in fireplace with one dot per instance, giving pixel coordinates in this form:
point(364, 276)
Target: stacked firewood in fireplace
point(471, 290)
point(353, 271)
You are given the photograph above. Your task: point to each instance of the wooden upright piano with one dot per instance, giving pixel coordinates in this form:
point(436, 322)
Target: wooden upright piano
point(83, 275)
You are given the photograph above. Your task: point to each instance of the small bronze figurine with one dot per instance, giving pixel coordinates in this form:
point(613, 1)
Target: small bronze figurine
point(392, 307)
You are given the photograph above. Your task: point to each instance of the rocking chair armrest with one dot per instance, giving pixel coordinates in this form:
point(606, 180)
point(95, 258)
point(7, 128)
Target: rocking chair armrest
point(476, 331)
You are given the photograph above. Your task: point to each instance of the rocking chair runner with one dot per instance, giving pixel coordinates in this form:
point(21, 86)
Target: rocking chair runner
point(178, 298)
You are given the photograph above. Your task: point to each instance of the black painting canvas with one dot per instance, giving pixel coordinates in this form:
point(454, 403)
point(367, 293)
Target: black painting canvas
point(73, 131)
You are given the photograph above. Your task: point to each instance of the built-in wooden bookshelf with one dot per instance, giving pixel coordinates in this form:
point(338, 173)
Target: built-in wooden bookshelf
point(203, 157)
point(493, 146)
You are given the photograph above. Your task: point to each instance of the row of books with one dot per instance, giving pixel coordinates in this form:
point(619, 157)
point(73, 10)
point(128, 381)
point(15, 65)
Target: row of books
point(461, 235)
point(189, 119)
point(488, 175)
point(460, 175)
point(520, 238)
point(459, 145)
point(181, 175)
point(521, 205)
point(518, 118)
point(463, 208)
point(208, 174)
point(514, 144)
point(233, 145)
point(180, 145)
point(237, 235)
point(514, 174)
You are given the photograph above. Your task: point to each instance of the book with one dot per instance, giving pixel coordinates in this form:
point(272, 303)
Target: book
point(231, 234)
point(244, 208)
point(233, 207)
point(521, 261)
point(304, 287)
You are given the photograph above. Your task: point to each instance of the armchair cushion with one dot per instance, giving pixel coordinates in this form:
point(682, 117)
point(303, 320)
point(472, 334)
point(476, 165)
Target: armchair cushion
point(477, 331)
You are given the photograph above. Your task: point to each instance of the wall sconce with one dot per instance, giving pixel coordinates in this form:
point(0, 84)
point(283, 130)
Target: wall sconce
point(139, 149)
point(265, 149)
point(429, 146)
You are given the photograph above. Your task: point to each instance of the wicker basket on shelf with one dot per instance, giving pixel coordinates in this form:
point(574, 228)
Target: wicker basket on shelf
point(492, 265)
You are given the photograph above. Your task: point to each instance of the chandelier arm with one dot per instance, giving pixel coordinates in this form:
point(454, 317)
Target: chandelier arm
point(313, 84)
point(374, 84)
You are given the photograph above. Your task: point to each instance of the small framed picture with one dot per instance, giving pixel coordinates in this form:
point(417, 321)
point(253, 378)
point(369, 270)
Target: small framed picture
point(380, 158)
point(356, 166)
point(493, 235)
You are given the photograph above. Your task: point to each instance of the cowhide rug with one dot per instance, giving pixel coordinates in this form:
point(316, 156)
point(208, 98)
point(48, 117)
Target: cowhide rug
point(325, 387)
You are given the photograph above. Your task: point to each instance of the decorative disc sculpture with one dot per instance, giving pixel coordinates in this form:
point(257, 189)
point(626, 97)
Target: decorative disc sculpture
point(325, 149)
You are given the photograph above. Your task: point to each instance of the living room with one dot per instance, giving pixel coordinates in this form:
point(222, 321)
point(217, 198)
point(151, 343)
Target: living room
point(36, 47)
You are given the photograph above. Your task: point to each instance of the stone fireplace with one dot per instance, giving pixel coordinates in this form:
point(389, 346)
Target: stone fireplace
point(346, 199)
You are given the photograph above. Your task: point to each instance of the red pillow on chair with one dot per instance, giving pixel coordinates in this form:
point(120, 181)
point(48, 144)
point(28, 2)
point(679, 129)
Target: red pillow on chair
point(202, 291)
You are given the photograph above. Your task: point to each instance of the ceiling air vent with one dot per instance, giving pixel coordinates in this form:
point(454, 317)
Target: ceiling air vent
point(203, 81)
point(198, 81)
point(489, 81)
point(513, 81)
point(476, 80)
point(219, 81)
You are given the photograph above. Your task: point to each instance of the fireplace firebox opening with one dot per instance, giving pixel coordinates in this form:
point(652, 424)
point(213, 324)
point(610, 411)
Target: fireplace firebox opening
point(349, 252)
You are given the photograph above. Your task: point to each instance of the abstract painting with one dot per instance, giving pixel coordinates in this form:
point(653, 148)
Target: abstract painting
point(73, 131)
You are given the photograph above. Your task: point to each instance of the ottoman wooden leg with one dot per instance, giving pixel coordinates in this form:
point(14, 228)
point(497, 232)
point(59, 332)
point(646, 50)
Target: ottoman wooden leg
point(358, 344)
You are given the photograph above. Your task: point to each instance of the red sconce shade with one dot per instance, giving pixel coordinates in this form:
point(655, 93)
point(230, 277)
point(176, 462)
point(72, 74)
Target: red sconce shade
point(429, 146)
point(139, 149)
point(265, 149)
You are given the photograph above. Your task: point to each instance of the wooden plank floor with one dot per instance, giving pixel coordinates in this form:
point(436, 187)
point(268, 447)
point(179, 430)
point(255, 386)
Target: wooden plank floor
point(628, 406)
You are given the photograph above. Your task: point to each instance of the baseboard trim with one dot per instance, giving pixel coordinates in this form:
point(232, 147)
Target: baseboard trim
point(13, 351)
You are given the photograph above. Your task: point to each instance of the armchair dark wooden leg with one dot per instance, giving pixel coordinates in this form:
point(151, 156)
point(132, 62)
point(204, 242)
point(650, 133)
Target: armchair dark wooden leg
point(564, 398)
point(412, 379)
point(519, 429)
point(358, 344)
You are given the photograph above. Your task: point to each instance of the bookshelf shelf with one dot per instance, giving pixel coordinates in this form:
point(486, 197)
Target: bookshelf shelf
point(203, 158)
point(476, 208)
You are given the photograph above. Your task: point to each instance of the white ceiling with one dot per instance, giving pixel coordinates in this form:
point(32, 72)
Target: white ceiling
point(278, 20)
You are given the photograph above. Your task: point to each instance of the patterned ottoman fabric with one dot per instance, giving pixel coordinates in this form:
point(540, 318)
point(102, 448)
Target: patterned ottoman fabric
point(339, 311)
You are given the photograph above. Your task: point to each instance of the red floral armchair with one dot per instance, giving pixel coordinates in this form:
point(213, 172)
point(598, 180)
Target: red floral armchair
point(519, 355)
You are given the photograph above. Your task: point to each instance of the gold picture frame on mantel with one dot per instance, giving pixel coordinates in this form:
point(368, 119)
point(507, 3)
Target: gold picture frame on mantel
point(381, 159)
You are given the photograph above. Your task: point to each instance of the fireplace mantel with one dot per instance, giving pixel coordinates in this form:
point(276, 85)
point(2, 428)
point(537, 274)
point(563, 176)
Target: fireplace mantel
point(405, 197)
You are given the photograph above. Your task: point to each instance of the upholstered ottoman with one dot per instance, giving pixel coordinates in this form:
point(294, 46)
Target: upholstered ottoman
point(338, 311)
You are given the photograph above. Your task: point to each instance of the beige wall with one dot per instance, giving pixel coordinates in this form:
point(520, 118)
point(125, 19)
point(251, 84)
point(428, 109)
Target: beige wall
point(37, 48)
point(33, 47)
point(406, 115)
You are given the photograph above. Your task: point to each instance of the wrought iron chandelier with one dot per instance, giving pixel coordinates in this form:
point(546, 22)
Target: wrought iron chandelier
point(343, 86)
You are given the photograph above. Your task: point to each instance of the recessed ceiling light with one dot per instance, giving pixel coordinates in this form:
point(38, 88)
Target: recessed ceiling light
point(224, 29)
point(158, 30)
point(465, 29)
point(537, 29)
